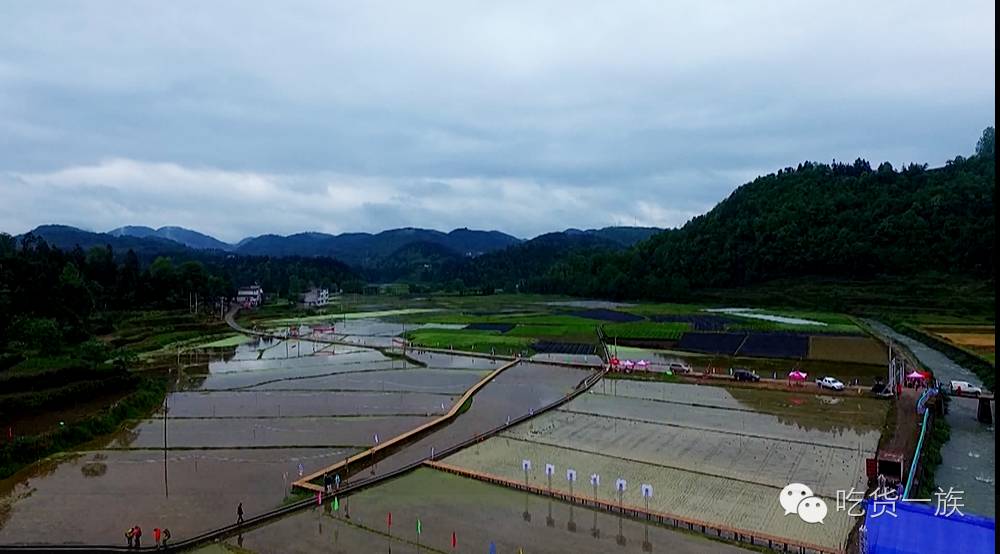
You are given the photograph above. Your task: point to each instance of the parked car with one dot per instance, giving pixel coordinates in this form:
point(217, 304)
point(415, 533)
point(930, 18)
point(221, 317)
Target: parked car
point(679, 367)
point(965, 387)
point(741, 374)
point(829, 383)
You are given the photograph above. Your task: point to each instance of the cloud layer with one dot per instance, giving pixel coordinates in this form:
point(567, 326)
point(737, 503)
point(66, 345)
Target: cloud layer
point(242, 118)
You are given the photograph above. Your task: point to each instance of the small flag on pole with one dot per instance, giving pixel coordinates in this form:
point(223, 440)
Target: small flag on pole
point(336, 504)
point(419, 527)
point(319, 498)
point(454, 540)
point(388, 520)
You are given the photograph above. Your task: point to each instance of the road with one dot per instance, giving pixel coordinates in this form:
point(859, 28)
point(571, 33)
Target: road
point(970, 455)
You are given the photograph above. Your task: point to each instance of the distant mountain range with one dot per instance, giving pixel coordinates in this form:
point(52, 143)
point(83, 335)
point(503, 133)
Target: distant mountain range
point(356, 249)
point(187, 237)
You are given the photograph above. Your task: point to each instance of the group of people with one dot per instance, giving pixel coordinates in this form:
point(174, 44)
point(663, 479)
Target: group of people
point(133, 536)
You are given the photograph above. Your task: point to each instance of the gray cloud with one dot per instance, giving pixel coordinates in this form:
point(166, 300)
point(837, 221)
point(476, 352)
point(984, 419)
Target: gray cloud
point(239, 119)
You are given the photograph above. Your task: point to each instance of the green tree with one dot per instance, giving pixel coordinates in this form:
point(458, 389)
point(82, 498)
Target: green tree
point(986, 146)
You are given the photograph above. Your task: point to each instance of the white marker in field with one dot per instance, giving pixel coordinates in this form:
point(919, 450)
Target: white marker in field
point(595, 479)
point(526, 465)
point(550, 470)
point(621, 485)
point(571, 475)
point(647, 493)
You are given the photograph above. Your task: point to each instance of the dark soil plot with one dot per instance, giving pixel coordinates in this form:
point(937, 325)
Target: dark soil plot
point(864, 350)
point(776, 345)
point(602, 314)
point(698, 322)
point(498, 327)
point(716, 343)
point(577, 348)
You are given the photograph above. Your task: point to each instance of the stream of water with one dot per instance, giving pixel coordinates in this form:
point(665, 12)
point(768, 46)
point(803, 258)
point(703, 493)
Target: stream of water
point(969, 457)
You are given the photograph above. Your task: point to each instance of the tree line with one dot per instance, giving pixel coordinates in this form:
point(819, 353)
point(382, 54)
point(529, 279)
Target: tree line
point(48, 294)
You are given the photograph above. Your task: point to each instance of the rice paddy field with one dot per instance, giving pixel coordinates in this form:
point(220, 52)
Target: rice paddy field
point(479, 514)
point(711, 454)
point(238, 427)
point(246, 416)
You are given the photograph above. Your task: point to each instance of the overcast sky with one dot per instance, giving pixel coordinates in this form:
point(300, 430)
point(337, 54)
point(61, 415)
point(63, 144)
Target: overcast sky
point(241, 118)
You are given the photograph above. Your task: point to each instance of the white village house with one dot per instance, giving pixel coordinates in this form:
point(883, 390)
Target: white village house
point(250, 296)
point(315, 297)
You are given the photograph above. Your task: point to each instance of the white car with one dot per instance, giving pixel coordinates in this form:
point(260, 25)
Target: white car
point(829, 383)
point(679, 367)
point(965, 387)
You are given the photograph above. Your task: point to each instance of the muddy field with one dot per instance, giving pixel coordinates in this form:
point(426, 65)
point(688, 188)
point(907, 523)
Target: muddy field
point(477, 513)
point(92, 497)
point(710, 453)
point(861, 350)
point(237, 430)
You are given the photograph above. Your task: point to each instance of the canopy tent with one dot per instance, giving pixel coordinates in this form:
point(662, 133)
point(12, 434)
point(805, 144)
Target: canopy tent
point(917, 528)
point(916, 375)
point(642, 364)
point(797, 376)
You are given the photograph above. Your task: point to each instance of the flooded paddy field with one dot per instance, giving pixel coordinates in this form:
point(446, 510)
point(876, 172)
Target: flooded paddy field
point(710, 453)
point(477, 513)
point(253, 403)
point(240, 427)
point(91, 497)
point(267, 432)
point(413, 379)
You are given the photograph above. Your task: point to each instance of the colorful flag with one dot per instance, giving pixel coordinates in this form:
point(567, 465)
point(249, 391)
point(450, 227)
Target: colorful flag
point(419, 527)
point(388, 520)
point(454, 540)
point(336, 504)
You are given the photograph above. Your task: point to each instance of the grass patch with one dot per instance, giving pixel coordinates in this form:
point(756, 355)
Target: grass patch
point(232, 340)
point(473, 341)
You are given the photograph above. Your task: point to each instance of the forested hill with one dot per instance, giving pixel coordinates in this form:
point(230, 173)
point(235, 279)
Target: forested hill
point(839, 220)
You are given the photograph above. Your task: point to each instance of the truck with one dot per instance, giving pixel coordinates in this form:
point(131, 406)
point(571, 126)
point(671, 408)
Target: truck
point(829, 383)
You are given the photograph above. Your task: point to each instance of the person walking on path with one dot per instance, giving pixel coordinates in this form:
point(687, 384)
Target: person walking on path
point(156, 536)
point(138, 536)
point(166, 536)
point(239, 514)
point(129, 533)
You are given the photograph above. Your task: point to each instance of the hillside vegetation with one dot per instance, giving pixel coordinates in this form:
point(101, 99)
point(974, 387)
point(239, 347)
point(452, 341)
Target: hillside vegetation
point(846, 221)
